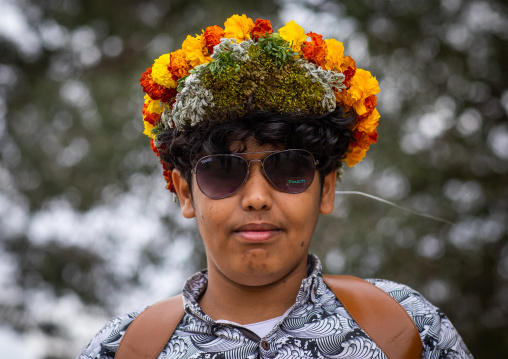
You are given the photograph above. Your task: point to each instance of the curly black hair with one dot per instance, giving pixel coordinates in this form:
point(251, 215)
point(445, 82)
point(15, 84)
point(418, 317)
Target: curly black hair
point(327, 136)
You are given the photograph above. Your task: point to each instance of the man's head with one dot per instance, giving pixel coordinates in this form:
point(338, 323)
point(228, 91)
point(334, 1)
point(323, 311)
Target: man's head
point(249, 91)
point(247, 81)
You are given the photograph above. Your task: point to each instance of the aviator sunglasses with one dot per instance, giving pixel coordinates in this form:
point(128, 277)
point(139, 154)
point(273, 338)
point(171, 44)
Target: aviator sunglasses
point(290, 171)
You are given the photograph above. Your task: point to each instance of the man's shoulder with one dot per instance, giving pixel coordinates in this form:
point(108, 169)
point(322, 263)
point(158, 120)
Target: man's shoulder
point(410, 299)
point(438, 334)
point(105, 343)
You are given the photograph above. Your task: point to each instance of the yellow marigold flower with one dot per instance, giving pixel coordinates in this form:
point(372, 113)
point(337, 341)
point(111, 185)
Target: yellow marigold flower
point(161, 74)
point(238, 27)
point(156, 107)
point(192, 48)
point(148, 129)
point(356, 155)
point(294, 34)
point(335, 55)
point(363, 85)
point(370, 123)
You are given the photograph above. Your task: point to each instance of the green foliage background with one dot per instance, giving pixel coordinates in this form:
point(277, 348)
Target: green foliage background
point(87, 230)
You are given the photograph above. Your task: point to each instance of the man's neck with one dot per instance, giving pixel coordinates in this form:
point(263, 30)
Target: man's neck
point(242, 304)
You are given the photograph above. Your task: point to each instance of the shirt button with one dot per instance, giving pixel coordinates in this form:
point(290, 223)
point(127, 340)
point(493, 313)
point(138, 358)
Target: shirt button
point(265, 345)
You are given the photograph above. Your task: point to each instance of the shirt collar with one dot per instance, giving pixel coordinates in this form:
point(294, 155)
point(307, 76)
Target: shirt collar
point(310, 289)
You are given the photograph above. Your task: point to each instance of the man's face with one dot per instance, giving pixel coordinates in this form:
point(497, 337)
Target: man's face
point(258, 235)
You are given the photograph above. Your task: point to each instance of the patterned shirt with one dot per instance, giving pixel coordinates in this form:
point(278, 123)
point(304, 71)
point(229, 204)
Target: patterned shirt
point(316, 326)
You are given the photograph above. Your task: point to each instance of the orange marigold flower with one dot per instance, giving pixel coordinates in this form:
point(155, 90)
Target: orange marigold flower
point(358, 148)
point(334, 56)
point(370, 104)
point(368, 123)
point(355, 155)
point(363, 85)
point(211, 37)
point(261, 28)
point(238, 27)
point(153, 89)
point(315, 50)
point(365, 139)
point(178, 65)
point(344, 97)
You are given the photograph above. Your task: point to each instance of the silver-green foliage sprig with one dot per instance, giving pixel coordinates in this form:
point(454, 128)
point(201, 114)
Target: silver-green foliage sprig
point(328, 79)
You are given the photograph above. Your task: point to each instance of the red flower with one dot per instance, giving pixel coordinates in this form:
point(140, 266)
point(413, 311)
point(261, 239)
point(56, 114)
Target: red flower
point(154, 90)
point(371, 103)
point(169, 179)
point(154, 149)
point(167, 171)
point(373, 137)
point(150, 117)
point(315, 50)
point(349, 70)
point(212, 36)
point(261, 28)
point(364, 139)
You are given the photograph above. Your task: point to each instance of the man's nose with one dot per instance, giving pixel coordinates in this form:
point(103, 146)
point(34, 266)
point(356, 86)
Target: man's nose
point(257, 190)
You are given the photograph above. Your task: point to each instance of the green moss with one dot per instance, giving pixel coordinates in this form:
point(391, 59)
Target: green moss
point(264, 82)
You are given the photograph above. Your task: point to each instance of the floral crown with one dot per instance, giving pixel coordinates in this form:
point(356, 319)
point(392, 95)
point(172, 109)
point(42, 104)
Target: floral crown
point(223, 73)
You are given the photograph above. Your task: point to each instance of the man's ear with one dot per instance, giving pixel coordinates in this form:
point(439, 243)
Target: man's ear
point(328, 193)
point(184, 194)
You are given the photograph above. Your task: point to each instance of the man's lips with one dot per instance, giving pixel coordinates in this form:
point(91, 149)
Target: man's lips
point(257, 232)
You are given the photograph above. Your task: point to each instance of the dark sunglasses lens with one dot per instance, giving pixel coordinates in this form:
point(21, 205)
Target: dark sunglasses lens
point(290, 171)
point(220, 176)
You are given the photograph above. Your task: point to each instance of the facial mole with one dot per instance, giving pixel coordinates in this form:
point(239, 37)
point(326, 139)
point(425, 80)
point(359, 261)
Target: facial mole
point(301, 244)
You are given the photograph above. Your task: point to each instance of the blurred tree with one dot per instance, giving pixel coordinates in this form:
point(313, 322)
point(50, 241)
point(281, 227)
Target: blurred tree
point(443, 150)
point(78, 180)
point(87, 230)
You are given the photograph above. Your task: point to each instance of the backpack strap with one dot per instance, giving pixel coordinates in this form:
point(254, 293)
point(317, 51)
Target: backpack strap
point(150, 331)
point(374, 310)
point(379, 315)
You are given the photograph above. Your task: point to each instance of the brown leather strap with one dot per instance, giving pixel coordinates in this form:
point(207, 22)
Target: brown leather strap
point(379, 315)
point(376, 312)
point(149, 333)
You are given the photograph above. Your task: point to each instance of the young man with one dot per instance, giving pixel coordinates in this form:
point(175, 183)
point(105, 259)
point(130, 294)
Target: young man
point(251, 143)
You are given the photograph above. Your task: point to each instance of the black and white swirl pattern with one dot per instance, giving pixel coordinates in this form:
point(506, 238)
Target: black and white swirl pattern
point(316, 326)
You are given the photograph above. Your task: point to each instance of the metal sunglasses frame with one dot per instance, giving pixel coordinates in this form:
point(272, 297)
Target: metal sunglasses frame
point(261, 161)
